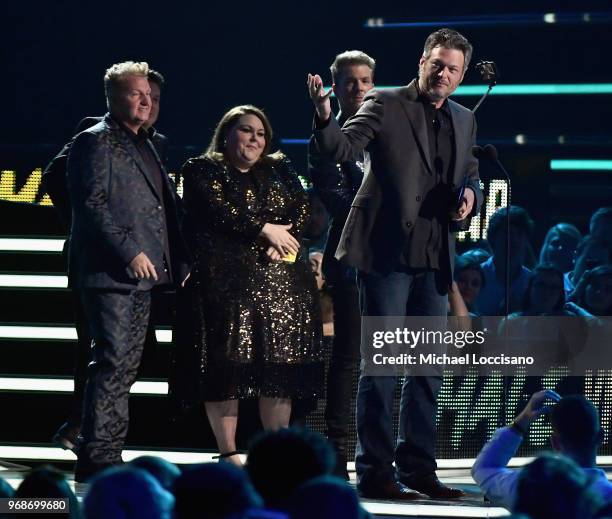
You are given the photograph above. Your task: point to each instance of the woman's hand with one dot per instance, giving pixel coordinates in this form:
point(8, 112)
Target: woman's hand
point(280, 239)
point(273, 254)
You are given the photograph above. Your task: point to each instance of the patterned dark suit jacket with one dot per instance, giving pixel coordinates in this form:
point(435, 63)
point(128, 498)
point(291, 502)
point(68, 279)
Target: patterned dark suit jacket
point(117, 211)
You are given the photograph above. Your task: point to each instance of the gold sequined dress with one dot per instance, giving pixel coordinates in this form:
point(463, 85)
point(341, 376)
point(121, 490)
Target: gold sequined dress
point(256, 323)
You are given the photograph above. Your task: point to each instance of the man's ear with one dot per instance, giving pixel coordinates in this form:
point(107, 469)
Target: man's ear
point(334, 87)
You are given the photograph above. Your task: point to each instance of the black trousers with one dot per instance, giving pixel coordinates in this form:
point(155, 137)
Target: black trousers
point(118, 323)
point(345, 356)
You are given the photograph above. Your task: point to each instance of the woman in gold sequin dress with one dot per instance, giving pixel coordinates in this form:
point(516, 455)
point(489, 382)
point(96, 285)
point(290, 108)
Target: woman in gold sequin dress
point(258, 328)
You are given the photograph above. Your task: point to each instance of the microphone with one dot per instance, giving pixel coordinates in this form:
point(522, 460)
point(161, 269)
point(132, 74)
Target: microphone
point(489, 152)
point(488, 72)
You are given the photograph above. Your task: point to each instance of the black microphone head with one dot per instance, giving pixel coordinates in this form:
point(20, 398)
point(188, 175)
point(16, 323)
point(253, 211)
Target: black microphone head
point(477, 151)
point(490, 152)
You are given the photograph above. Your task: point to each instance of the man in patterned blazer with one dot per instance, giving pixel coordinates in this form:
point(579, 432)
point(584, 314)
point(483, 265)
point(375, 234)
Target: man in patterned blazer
point(125, 241)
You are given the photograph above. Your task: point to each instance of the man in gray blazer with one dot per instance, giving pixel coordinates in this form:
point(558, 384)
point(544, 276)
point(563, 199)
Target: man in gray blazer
point(125, 241)
point(398, 234)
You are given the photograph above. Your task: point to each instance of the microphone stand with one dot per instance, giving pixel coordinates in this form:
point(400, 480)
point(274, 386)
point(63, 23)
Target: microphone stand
point(491, 153)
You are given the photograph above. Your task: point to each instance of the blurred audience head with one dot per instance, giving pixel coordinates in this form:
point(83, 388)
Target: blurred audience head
point(163, 471)
point(560, 245)
point(127, 493)
point(477, 254)
point(600, 225)
point(325, 497)
point(554, 486)
point(576, 429)
point(469, 277)
point(521, 229)
point(46, 481)
point(597, 297)
point(590, 253)
point(544, 294)
point(215, 491)
point(279, 462)
point(6, 490)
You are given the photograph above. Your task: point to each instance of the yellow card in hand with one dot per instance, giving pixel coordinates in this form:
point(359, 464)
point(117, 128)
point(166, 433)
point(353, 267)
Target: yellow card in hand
point(290, 257)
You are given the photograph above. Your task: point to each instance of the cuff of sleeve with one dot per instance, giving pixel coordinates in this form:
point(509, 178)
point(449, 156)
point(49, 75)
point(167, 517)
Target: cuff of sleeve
point(318, 124)
point(129, 251)
point(518, 429)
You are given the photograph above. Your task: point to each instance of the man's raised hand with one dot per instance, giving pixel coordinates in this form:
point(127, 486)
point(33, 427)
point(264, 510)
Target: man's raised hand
point(319, 98)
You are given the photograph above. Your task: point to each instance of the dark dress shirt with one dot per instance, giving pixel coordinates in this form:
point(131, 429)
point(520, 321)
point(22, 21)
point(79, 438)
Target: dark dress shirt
point(431, 225)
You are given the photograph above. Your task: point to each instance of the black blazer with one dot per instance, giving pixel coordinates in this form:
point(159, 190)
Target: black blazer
point(391, 126)
point(337, 185)
point(117, 211)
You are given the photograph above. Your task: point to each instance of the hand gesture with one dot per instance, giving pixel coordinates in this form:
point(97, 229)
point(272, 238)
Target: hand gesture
point(319, 98)
point(142, 267)
point(536, 407)
point(280, 239)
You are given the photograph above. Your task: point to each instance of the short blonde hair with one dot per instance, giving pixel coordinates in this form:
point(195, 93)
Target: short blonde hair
point(116, 73)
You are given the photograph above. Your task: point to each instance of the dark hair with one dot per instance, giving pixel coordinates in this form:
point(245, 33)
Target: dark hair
point(464, 262)
point(155, 77)
point(350, 57)
point(48, 482)
point(213, 490)
point(477, 254)
point(279, 462)
point(449, 39)
point(554, 486)
point(550, 269)
point(117, 489)
point(603, 213)
point(587, 241)
point(519, 217)
point(597, 272)
point(163, 471)
point(576, 421)
point(216, 148)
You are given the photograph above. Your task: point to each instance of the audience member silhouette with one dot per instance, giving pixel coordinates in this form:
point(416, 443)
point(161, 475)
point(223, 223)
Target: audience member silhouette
point(215, 491)
point(491, 298)
point(279, 462)
point(127, 493)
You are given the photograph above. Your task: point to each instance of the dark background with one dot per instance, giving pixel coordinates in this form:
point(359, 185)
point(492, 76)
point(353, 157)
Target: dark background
point(216, 55)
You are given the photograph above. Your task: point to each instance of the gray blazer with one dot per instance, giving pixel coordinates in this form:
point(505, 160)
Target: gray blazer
point(391, 126)
point(117, 211)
